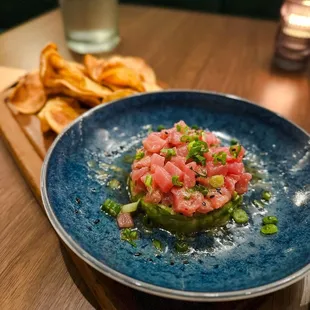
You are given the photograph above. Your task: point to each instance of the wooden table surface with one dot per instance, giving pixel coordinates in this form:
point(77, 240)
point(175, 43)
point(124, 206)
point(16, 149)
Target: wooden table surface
point(187, 50)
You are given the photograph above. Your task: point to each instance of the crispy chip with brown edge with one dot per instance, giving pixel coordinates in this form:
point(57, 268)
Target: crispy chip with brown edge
point(118, 94)
point(113, 73)
point(28, 97)
point(45, 127)
point(137, 64)
point(73, 103)
point(58, 113)
point(63, 77)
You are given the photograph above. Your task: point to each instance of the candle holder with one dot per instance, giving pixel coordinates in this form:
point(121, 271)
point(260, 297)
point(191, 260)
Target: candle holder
point(292, 47)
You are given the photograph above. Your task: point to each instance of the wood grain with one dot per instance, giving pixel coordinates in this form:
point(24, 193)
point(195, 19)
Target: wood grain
point(188, 50)
point(33, 269)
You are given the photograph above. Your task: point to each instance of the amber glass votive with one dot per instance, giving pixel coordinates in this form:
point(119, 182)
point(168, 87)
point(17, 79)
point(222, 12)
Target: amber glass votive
point(292, 46)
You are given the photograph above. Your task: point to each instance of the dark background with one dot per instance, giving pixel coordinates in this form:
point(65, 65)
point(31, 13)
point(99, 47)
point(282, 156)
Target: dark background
point(14, 12)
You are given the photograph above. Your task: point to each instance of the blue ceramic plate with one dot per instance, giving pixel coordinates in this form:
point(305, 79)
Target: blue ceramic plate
point(229, 263)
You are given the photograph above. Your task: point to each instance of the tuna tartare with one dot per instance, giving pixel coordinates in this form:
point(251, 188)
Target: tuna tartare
point(185, 181)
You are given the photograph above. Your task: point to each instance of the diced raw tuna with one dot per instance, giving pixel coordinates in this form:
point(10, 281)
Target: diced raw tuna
point(182, 150)
point(154, 196)
point(139, 187)
point(163, 179)
point(178, 161)
point(144, 162)
point(210, 138)
point(173, 170)
point(157, 160)
point(230, 183)
point(243, 183)
point(181, 123)
point(185, 203)
point(175, 138)
point(193, 166)
point(219, 199)
point(203, 181)
point(216, 169)
point(167, 199)
point(189, 181)
point(138, 173)
point(235, 168)
point(124, 220)
point(190, 172)
point(205, 207)
point(153, 143)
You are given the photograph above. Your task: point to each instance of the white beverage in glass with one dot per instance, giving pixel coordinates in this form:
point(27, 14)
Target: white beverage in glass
point(91, 26)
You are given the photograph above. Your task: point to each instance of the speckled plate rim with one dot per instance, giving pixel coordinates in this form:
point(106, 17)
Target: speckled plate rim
point(144, 286)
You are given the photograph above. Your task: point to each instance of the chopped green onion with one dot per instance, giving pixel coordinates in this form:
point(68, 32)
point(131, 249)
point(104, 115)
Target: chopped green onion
point(196, 151)
point(235, 196)
point(181, 247)
point(168, 153)
point(182, 129)
point(148, 181)
point(130, 207)
point(266, 195)
point(160, 127)
point(139, 155)
point(195, 127)
point(200, 160)
point(270, 220)
point(240, 216)
point(150, 129)
point(217, 181)
point(234, 142)
point(234, 150)
point(202, 189)
point(129, 235)
point(157, 244)
point(258, 203)
point(176, 181)
point(269, 229)
point(219, 157)
point(188, 138)
point(114, 184)
point(111, 207)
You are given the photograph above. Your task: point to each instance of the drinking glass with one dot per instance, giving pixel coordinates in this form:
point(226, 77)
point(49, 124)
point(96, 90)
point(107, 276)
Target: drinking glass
point(91, 26)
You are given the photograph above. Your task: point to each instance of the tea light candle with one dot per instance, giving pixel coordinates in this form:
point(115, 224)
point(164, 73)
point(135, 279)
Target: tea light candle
point(293, 38)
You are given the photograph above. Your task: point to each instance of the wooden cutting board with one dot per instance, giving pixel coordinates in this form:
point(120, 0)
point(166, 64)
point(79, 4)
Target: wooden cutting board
point(28, 146)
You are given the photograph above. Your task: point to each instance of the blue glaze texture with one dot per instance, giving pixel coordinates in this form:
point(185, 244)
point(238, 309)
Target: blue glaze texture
point(230, 259)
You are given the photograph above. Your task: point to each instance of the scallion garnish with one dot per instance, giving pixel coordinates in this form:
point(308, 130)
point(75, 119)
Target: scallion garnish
point(176, 181)
point(168, 153)
point(234, 150)
point(200, 188)
point(187, 138)
point(160, 127)
point(266, 195)
point(196, 151)
point(233, 142)
point(111, 207)
point(269, 229)
point(148, 181)
point(157, 244)
point(195, 127)
point(270, 220)
point(139, 155)
point(129, 235)
point(219, 157)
